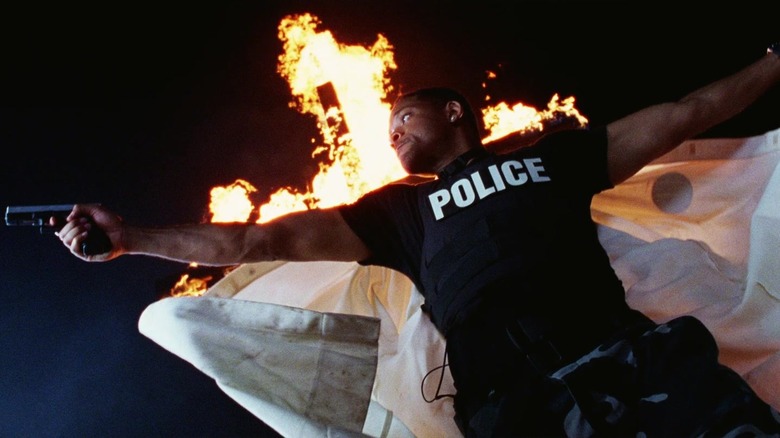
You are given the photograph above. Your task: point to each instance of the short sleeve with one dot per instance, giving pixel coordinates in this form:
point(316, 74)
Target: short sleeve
point(387, 220)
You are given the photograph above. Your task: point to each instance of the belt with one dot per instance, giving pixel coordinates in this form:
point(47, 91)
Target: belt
point(547, 346)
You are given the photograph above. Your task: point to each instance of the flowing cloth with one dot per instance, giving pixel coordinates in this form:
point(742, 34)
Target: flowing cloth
point(338, 349)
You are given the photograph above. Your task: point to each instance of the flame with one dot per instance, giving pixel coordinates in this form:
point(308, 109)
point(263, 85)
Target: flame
point(190, 287)
point(344, 88)
point(501, 120)
point(231, 203)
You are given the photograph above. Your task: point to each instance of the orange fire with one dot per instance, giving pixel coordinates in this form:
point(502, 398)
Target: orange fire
point(231, 203)
point(344, 87)
point(501, 120)
point(190, 287)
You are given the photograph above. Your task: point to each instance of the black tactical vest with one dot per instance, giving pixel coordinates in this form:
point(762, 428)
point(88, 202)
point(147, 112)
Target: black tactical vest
point(471, 218)
point(509, 225)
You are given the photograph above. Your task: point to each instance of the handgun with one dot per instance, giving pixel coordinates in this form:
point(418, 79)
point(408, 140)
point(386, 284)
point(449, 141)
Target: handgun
point(97, 242)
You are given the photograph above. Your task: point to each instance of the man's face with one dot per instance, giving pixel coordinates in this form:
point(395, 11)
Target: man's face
point(420, 134)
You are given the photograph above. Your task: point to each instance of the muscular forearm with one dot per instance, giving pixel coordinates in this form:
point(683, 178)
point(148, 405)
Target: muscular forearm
point(303, 236)
point(729, 96)
point(637, 139)
point(206, 244)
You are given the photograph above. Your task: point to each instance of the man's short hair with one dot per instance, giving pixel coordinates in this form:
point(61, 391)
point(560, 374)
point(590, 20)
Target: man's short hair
point(442, 95)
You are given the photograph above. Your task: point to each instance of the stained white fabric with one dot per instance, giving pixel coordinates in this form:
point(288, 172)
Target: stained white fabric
point(307, 373)
point(694, 233)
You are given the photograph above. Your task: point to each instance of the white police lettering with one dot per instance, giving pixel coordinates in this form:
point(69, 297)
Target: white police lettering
point(465, 191)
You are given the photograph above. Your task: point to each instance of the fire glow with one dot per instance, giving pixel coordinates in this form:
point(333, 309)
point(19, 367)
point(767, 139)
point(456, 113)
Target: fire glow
point(190, 287)
point(344, 87)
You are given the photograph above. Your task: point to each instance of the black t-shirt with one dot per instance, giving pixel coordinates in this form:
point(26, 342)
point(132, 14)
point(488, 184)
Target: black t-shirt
point(513, 227)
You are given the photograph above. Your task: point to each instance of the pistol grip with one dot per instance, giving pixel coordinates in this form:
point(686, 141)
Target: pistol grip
point(97, 242)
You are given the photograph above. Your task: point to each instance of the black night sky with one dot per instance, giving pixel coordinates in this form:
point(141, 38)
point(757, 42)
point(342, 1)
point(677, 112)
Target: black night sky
point(145, 107)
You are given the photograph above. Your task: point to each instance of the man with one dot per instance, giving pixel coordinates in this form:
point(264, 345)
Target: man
point(540, 340)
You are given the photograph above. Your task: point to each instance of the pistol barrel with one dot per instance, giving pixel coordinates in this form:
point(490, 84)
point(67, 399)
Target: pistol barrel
point(35, 215)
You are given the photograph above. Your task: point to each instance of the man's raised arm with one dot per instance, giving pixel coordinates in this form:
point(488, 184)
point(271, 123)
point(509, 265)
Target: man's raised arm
point(639, 138)
point(302, 236)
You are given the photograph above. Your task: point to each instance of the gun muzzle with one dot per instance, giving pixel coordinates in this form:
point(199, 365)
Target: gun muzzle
point(97, 242)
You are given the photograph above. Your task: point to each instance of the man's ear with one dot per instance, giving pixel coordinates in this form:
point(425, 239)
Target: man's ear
point(454, 111)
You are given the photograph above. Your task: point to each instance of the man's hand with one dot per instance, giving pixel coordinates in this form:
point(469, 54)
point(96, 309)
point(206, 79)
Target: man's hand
point(91, 218)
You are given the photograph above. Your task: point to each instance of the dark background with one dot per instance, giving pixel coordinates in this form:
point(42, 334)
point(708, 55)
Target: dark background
point(145, 107)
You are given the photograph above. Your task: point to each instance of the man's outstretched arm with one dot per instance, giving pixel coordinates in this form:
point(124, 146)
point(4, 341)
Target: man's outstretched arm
point(302, 236)
point(639, 138)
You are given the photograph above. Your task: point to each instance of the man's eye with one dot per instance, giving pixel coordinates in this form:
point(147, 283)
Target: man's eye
point(405, 118)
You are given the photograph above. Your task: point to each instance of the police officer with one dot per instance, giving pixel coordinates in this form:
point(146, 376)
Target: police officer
point(532, 351)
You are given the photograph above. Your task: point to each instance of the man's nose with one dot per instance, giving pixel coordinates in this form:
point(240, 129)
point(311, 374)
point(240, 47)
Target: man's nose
point(395, 135)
